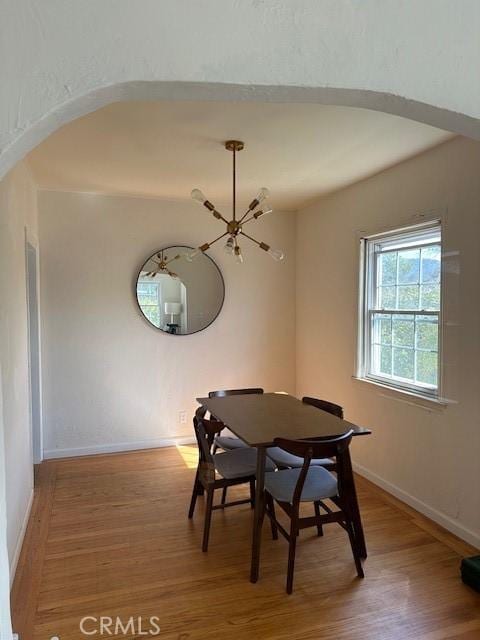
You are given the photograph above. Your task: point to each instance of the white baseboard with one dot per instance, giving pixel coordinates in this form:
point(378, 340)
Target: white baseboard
point(116, 448)
point(440, 518)
point(21, 536)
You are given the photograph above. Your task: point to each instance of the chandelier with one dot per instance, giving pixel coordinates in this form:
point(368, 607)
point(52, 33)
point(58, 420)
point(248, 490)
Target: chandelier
point(235, 226)
point(162, 262)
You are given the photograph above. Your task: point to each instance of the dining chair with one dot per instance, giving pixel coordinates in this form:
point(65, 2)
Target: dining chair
point(220, 470)
point(313, 484)
point(227, 443)
point(285, 460)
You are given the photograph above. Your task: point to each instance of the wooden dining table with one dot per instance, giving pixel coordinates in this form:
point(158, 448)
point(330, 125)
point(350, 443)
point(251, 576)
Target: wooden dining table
point(258, 419)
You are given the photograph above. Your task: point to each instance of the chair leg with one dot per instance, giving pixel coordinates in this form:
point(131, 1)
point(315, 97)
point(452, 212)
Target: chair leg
point(252, 493)
point(355, 550)
point(195, 493)
point(317, 513)
point(224, 495)
point(271, 508)
point(208, 518)
point(292, 546)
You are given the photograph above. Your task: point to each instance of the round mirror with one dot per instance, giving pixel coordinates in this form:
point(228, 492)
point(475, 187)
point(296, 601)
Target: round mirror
point(177, 296)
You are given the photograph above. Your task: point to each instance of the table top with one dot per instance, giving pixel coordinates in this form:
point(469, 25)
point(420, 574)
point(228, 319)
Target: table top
point(260, 418)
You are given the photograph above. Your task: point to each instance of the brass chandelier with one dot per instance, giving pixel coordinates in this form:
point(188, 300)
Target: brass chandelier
point(235, 227)
point(162, 262)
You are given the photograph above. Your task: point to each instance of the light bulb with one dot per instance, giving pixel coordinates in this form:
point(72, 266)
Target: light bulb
point(260, 197)
point(198, 195)
point(262, 194)
point(190, 257)
point(238, 255)
point(229, 248)
point(276, 254)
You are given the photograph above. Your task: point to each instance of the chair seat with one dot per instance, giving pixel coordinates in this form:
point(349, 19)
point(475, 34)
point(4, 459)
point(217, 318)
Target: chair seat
point(284, 459)
point(319, 484)
point(228, 443)
point(239, 463)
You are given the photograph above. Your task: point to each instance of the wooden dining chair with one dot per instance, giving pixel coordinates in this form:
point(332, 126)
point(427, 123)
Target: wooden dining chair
point(285, 460)
point(219, 471)
point(313, 484)
point(324, 405)
point(227, 443)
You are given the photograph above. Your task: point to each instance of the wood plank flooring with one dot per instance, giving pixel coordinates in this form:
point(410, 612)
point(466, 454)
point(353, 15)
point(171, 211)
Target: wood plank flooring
point(109, 536)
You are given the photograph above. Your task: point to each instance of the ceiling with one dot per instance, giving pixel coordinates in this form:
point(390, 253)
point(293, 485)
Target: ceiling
point(164, 149)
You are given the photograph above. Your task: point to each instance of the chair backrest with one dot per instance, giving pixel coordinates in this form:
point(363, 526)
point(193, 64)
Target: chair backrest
point(324, 405)
point(205, 431)
point(337, 448)
point(221, 393)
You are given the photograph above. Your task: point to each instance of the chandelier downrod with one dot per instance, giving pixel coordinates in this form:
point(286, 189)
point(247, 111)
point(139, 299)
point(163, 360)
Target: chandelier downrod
point(234, 146)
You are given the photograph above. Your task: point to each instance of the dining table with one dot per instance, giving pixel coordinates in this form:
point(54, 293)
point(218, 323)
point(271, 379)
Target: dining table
point(258, 419)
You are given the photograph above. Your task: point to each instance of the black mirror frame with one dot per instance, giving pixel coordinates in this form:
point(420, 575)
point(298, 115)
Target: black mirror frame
point(150, 324)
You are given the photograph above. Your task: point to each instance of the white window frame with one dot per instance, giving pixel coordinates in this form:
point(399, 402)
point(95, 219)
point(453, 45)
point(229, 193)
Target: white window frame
point(159, 299)
point(367, 286)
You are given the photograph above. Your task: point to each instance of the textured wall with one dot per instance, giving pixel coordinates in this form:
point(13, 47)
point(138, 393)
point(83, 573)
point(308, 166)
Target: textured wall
point(426, 454)
point(111, 379)
point(418, 59)
point(17, 212)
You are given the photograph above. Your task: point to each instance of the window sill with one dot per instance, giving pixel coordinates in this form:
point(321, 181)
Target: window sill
point(418, 399)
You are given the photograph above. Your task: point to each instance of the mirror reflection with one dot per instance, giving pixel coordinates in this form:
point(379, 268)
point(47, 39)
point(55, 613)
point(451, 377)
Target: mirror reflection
point(177, 296)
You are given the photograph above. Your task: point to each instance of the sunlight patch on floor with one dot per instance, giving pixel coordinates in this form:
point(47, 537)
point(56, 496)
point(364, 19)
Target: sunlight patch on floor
point(189, 453)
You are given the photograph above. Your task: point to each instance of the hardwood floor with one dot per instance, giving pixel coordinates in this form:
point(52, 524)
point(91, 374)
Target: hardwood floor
point(109, 536)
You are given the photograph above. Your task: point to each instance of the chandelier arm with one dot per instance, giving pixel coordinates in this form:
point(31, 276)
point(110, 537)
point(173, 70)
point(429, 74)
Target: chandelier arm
point(244, 216)
point(172, 259)
point(213, 241)
point(216, 214)
point(219, 238)
point(247, 220)
point(262, 245)
point(219, 216)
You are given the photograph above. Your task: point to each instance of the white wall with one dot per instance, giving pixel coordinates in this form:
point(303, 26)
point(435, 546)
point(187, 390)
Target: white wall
point(110, 379)
point(17, 211)
point(416, 59)
point(5, 620)
point(426, 454)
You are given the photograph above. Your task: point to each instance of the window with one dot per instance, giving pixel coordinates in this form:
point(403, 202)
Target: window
point(148, 295)
point(401, 301)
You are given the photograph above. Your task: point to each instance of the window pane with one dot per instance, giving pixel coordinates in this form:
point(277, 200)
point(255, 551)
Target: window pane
point(385, 330)
point(427, 367)
point(427, 333)
point(382, 328)
point(431, 264)
point(382, 360)
point(403, 331)
point(387, 298)
point(388, 268)
point(147, 293)
point(408, 266)
point(408, 297)
point(153, 314)
point(403, 363)
point(146, 299)
point(385, 360)
point(147, 288)
point(430, 297)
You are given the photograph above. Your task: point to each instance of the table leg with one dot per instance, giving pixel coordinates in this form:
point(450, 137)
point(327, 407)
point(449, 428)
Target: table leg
point(357, 520)
point(358, 528)
point(258, 513)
